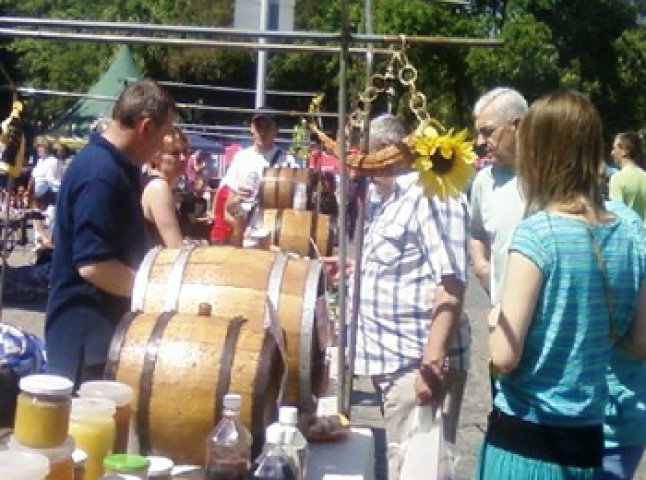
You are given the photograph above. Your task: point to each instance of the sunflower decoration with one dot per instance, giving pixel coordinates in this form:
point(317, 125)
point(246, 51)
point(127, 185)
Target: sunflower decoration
point(445, 161)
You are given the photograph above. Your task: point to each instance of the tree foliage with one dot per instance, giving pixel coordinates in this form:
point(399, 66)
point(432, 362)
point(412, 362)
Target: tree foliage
point(595, 46)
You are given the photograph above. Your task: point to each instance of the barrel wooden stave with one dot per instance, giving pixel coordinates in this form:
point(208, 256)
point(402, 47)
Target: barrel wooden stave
point(184, 396)
point(291, 231)
point(279, 186)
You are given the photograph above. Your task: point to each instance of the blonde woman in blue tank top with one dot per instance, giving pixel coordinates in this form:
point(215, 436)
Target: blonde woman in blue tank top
point(573, 292)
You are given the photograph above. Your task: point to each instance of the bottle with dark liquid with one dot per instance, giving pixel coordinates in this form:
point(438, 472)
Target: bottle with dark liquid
point(273, 463)
point(228, 449)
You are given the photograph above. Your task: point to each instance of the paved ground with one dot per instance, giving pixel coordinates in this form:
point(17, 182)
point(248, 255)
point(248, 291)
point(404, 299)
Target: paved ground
point(365, 411)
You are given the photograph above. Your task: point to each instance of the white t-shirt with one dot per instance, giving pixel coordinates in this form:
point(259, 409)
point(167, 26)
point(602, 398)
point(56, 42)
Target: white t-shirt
point(48, 171)
point(497, 206)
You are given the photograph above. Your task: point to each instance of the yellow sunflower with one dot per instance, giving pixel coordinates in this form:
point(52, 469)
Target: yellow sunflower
point(444, 162)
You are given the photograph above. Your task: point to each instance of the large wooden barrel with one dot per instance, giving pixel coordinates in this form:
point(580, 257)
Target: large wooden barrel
point(291, 231)
point(181, 366)
point(279, 186)
point(229, 281)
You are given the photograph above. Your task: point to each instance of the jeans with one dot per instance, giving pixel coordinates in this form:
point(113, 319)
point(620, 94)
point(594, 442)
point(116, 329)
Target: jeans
point(620, 463)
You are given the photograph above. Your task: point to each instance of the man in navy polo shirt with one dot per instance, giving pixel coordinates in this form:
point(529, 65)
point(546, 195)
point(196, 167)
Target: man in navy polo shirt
point(99, 233)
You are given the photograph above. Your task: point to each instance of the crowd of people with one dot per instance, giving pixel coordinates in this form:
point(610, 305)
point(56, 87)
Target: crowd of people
point(563, 266)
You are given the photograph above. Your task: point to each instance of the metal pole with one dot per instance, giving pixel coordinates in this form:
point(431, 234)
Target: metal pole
point(342, 401)
point(261, 68)
point(219, 88)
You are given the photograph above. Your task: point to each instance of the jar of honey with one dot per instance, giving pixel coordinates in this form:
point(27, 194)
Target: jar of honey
point(122, 395)
point(16, 465)
point(61, 464)
point(92, 426)
point(43, 411)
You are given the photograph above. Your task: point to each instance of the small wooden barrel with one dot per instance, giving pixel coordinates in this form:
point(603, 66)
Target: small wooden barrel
point(181, 366)
point(291, 231)
point(230, 281)
point(279, 185)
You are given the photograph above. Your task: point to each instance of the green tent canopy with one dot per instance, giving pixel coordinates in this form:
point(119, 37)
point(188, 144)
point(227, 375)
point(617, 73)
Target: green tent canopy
point(76, 124)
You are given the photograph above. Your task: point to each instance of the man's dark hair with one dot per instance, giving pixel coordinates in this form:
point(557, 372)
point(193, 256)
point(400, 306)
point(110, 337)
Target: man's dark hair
point(143, 98)
point(633, 145)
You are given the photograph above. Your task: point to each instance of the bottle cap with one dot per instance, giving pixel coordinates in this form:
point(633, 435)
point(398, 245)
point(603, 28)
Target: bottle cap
point(119, 392)
point(159, 466)
point(274, 434)
point(288, 416)
point(16, 465)
point(80, 457)
point(232, 400)
point(125, 462)
point(46, 385)
point(54, 455)
point(89, 407)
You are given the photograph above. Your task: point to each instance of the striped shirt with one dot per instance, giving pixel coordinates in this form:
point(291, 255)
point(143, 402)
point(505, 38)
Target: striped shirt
point(411, 242)
point(561, 377)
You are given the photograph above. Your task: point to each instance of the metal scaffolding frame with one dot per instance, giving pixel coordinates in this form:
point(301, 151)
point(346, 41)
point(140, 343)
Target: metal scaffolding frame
point(115, 32)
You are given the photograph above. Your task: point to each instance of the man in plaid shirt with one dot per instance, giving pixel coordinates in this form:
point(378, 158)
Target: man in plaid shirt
point(413, 338)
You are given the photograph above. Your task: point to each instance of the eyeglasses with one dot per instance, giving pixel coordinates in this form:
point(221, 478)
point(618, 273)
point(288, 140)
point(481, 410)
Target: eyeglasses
point(488, 131)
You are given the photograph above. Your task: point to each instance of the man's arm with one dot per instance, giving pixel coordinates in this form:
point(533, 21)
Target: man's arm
point(480, 261)
point(447, 308)
point(111, 276)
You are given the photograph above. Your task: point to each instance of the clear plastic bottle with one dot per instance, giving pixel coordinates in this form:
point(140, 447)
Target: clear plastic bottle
point(294, 443)
point(273, 463)
point(228, 448)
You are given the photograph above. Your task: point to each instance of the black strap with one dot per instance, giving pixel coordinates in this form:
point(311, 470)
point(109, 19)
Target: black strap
point(275, 157)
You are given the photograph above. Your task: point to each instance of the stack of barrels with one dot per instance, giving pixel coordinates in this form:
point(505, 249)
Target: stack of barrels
point(206, 321)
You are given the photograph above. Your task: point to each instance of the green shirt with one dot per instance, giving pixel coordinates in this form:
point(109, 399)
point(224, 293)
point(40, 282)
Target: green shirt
point(629, 187)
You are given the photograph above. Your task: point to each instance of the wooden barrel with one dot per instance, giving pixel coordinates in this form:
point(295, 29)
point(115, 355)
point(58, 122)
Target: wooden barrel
point(291, 231)
point(279, 185)
point(181, 366)
point(229, 281)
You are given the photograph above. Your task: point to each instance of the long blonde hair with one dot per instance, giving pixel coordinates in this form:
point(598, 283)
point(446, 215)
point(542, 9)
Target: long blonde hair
point(559, 150)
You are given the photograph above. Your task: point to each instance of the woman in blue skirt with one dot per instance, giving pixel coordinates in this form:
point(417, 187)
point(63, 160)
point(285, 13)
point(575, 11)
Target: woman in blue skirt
point(573, 292)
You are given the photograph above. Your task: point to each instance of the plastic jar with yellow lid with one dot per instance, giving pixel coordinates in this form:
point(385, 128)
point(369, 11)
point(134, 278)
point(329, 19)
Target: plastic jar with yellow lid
point(92, 426)
point(43, 411)
point(122, 395)
point(61, 464)
point(15, 465)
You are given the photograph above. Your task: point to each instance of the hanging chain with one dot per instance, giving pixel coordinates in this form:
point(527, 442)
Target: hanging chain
point(398, 68)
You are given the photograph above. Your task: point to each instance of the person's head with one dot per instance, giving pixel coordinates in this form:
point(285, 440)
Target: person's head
point(43, 147)
point(385, 130)
point(199, 186)
point(627, 149)
point(497, 115)
point(62, 151)
point(170, 160)
point(143, 114)
point(264, 131)
point(560, 148)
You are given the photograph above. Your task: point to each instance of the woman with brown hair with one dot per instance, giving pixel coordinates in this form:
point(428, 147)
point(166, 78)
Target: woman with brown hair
point(157, 199)
point(573, 293)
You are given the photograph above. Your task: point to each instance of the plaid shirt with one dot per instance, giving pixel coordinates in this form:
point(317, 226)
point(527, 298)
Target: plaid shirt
point(411, 242)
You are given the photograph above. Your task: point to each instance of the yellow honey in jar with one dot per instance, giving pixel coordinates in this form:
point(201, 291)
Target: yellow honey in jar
point(92, 426)
point(43, 411)
point(122, 395)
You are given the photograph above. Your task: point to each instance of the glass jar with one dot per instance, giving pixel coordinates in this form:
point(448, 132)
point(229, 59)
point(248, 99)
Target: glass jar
point(61, 464)
point(43, 411)
point(92, 426)
point(15, 465)
point(80, 457)
point(122, 395)
point(125, 464)
point(160, 468)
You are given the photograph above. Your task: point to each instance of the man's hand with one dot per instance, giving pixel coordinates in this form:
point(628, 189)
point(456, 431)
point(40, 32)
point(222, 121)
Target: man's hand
point(333, 268)
point(428, 384)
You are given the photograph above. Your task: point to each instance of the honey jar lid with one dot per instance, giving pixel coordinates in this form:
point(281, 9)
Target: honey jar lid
point(54, 454)
point(119, 392)
point(90, 407)
point(80, 457)
point(125, 462)
point(15, 465)
point(53, 385)
point(159, 466)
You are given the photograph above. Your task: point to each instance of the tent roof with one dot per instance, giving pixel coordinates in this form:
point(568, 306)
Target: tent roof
point(79, 119)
